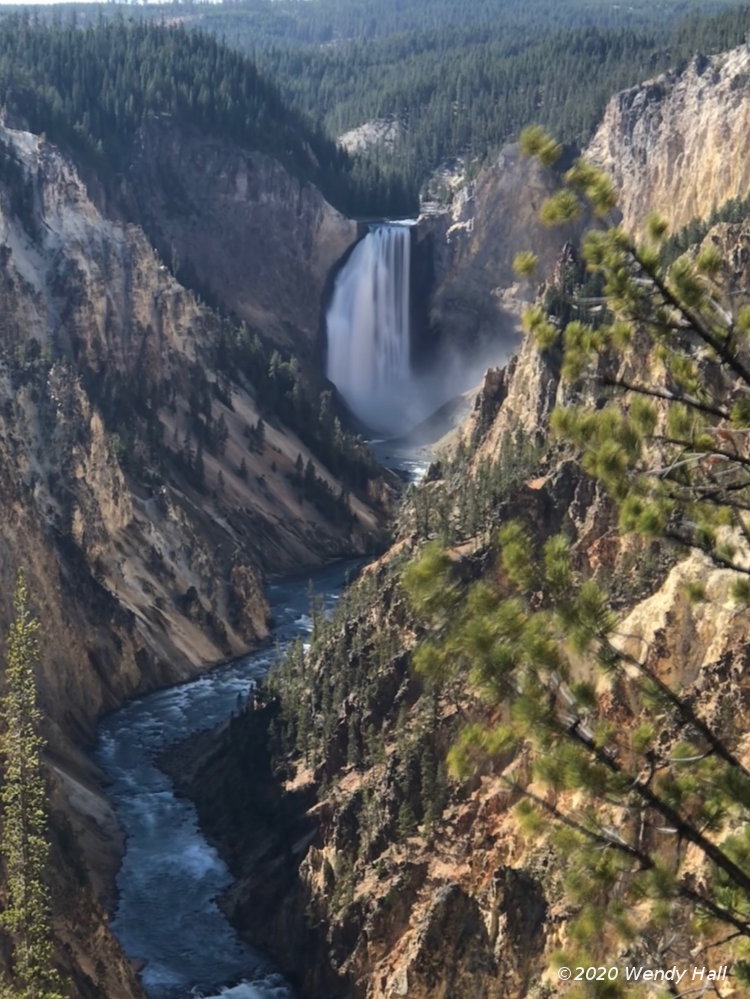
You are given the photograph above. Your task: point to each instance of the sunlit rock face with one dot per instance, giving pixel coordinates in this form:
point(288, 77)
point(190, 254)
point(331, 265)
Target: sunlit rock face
point(141, 574)
point(678, 145)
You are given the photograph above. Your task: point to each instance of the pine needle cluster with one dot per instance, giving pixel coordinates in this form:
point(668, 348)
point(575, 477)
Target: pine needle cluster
point(644, 795)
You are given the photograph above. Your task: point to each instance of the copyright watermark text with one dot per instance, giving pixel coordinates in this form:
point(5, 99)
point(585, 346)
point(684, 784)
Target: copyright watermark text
point(642, 973)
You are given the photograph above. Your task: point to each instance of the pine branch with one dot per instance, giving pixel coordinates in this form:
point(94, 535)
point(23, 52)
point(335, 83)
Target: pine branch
point(644, 859)
point(692, 318)
point(655, 393)
point(714, 556)
point(673, 817)
point(684, 709)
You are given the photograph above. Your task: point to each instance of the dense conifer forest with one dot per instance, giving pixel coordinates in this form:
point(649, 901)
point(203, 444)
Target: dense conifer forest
point(89, 89)
point(453, 80)
point(463, 87)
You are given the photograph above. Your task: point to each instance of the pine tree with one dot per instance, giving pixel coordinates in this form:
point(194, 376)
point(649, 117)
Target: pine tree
point(222, 435)
point(630, 805)
point(406, 822)
point(260, 434)
point(199, 468)
point(24, 842)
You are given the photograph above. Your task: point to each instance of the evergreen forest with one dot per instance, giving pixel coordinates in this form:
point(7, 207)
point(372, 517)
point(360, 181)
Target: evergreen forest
point(90, 88)
point(452, 82)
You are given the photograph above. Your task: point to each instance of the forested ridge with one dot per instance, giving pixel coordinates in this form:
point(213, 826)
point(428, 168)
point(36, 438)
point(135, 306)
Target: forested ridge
point(456, 80)
point(464, 87)
point(322, 22)
point(90, 88)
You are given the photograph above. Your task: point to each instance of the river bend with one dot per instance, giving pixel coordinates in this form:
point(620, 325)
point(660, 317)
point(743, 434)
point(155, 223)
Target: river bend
point(167, 915)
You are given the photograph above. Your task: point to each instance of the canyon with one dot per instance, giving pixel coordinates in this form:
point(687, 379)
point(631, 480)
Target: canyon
point(146, 527)
point(149, 565)
point(387, 900)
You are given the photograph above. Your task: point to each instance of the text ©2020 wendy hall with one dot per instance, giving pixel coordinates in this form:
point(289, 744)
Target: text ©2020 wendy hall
point(640, 973)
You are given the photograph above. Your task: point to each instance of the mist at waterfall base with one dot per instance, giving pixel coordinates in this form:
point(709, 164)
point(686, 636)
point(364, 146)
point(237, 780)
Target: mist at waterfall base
point(368, 326)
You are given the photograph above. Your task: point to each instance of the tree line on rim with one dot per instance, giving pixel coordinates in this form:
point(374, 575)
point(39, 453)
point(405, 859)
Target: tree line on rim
point(453, 81)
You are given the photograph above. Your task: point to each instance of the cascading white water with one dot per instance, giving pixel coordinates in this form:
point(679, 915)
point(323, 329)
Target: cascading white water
point(369, 330)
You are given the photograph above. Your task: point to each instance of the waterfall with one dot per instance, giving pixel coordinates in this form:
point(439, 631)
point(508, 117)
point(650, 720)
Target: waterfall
point(368, 329)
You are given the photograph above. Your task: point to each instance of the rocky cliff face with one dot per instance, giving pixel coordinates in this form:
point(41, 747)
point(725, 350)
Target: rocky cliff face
point(90, 313)
point(239, 227)
point(475, 298)
point(146, 488)
point(396, 899)
point(677, 145)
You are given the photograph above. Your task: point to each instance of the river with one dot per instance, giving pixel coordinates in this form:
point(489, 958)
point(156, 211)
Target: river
point(167, 915)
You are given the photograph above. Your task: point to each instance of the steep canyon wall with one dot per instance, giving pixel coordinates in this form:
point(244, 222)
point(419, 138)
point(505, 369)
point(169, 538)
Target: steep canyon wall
point(678, 144)
point(468, 907)
point(146, 488)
